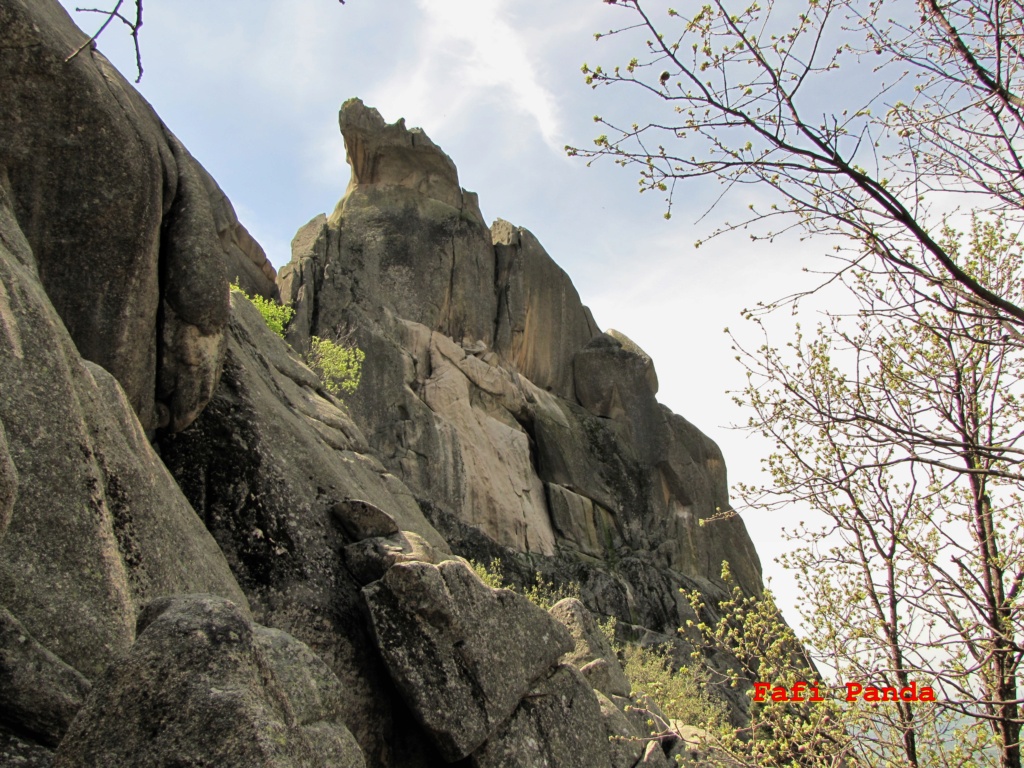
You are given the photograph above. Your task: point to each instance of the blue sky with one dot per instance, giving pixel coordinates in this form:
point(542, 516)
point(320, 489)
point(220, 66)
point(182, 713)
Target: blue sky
point(253, 89)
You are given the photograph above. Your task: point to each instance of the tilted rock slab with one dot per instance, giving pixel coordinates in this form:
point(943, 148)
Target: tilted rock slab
point(461, 653)
point(203, 686)
point(500, 491)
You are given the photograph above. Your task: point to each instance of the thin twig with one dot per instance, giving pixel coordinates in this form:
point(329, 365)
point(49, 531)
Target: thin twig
point(111, 15)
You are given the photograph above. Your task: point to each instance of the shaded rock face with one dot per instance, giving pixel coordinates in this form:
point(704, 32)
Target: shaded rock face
point(284, 481)
point(24, 753)
point(461, 653)
point(132, 247)
point(92, 525)
point(592, 655)
point(39, 694)
point(558, 723)
point(541, 322)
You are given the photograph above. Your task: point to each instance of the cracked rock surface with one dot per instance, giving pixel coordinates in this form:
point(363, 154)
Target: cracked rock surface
point(461, 653)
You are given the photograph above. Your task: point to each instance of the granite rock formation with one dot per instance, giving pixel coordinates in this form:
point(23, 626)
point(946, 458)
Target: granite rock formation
point(491, 392)
point(133, 246)
point(206, 558)
point(203, 685)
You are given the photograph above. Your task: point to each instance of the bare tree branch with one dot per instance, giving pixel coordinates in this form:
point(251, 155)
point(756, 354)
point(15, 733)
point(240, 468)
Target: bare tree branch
point(115, 13)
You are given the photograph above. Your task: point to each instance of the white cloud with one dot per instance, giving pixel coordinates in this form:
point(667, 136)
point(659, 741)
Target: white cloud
point(469, 53)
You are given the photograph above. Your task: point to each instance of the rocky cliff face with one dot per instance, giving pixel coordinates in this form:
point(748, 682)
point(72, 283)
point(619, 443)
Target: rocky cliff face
point(206, 559)
point(491, 392)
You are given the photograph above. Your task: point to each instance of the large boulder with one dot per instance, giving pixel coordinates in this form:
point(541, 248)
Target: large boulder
point(405, 239)
point(462, 654)
point(132, 238)
point(368, 560)
point(202, 685)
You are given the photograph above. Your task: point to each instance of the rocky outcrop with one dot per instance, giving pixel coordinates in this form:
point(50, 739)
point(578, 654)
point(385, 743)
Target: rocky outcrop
point(541, 322)
point(132, 246)
point(394, 157)
point(98, 525)
point(202, 685)
point(272, 466)
point(514, 414)
point(206, 558)
point(462, 654)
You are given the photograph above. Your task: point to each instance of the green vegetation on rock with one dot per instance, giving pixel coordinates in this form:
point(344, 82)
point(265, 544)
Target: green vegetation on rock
point(276, 316)
point(543, 593)
point(683, 693)
point(339, 366)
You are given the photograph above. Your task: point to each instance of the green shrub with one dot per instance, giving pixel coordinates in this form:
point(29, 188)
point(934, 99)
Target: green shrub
point(489, 574)
point(339, 366)
point(543, 594)
point(547, 593)
point(682, 693)
point(276, 316)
